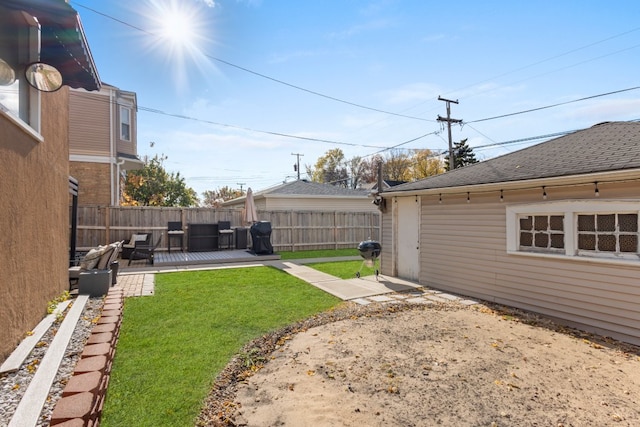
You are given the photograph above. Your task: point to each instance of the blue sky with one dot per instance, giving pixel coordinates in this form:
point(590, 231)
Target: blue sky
point(242, 71)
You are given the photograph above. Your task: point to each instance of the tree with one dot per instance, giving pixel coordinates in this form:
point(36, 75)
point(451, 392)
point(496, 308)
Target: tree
point(370, 169)
point(397, 166)
point(329, 169)
point(153, 186)
point(462, 155)
point(426, 164)
point(213, 198)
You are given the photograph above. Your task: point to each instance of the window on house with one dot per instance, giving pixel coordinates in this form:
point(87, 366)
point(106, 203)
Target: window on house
point(582, 228)
point(542, 232)
point(125, 123)
point(19, 37)
point(608, 233)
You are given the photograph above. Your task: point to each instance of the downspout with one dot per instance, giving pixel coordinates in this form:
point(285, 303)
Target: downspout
point(112, 153)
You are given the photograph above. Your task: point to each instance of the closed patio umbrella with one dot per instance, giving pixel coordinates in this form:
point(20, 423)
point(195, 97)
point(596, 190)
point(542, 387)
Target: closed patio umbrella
point(249, 215)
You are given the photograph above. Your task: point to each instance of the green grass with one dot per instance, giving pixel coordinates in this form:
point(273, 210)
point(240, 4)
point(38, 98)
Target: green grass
point(343, 269)
point(321, 253)
point(173, 345)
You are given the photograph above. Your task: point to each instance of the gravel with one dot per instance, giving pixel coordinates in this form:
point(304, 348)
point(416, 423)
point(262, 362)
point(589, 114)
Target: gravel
point(13, 385)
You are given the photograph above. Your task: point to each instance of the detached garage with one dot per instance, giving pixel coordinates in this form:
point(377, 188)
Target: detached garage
point(553, 228)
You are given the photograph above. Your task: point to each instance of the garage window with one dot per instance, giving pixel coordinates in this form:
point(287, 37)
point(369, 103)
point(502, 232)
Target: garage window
point(542, 232)
point(580, 228)
point(615, 233)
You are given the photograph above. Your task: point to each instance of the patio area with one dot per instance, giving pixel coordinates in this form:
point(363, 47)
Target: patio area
point(163, 259)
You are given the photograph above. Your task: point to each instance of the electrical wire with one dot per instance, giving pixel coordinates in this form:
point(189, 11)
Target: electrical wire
point(554, 105)
point(264, 76)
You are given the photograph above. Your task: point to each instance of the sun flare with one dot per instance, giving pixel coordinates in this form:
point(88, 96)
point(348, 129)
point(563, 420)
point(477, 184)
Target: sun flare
point(176, 27)
point(181, 35)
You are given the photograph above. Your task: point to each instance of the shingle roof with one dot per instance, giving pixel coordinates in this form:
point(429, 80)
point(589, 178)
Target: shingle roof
point(605, 147)
point(308, 188)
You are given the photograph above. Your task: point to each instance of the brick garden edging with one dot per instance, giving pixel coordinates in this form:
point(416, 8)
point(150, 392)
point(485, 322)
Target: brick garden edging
point(83, 396)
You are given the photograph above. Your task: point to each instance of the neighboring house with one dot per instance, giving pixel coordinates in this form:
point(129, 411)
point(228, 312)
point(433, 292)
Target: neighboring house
point(386, 185)
point(34, 157)
point(305, 195)
point(553, 228)
point(102, 143)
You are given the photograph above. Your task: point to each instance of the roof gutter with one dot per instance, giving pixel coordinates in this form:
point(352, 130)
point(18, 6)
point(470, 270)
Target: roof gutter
point(601, 177)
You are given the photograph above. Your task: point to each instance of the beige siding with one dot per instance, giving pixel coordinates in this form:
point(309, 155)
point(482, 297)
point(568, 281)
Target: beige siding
point(464, 251)
point(89, 120)
point(387, 264)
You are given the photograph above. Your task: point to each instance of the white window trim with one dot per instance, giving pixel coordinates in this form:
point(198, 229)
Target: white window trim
point(129, 115)
point(28, 117)
point(570, 209)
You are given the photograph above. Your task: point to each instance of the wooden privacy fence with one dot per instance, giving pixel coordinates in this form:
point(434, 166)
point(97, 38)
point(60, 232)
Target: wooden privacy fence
point(291, 230)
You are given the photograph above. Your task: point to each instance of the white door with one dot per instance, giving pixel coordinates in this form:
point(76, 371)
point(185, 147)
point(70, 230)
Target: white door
point(408, 238)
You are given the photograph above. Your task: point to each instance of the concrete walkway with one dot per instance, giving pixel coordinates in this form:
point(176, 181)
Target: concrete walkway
point(364, 290)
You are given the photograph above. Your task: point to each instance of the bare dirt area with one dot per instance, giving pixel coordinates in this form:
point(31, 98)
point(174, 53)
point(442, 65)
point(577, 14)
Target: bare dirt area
point(442, 364)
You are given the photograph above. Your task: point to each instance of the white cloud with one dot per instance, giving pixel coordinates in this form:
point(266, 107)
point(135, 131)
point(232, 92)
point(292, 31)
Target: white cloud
point(603, 110)
point(209, 3)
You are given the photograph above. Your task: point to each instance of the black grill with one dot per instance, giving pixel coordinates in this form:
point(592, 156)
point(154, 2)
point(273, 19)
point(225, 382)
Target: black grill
point(369, 249)
point(261, 238)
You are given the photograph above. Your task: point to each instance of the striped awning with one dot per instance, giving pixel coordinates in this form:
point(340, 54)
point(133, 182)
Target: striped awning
point(63, 42)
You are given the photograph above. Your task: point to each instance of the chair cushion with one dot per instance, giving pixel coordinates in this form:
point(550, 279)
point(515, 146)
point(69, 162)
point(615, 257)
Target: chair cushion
point(91, 259)
point(137, 238)
point(103, 261)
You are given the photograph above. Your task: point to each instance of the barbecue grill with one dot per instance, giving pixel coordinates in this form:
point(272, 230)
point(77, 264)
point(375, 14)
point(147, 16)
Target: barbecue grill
point(370, 252)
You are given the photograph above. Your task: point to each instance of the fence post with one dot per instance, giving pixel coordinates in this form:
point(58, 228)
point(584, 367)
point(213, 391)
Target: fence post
point(292, 230)
point(335, 230)
point(107, 223)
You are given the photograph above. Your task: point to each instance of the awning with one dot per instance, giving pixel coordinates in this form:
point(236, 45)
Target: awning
point(63, 42)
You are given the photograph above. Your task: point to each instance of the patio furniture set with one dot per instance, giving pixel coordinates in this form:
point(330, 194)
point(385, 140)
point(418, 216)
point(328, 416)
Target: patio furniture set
point(98, 269)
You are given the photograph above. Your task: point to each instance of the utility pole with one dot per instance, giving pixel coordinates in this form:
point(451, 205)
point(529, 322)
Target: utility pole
point(241, 184)
point(449, 120)
point(296, 166)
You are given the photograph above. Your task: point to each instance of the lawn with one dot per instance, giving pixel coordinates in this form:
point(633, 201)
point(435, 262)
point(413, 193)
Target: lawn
point(173, 345)
point(320, 253)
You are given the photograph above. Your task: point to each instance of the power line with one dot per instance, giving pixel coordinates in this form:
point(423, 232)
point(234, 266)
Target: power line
point(554, 105)
point(264, 76)
point(284, 135)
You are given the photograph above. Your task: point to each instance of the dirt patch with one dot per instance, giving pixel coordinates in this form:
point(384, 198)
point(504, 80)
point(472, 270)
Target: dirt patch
point(444, 364)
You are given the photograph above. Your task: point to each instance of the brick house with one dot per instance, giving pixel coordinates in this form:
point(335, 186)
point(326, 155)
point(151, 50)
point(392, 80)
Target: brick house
point(102, 142)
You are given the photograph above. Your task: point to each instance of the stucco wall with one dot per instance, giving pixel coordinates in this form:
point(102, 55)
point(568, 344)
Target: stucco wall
point(34, 220)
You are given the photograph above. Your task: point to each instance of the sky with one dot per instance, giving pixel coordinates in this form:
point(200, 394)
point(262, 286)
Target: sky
point(230, 90)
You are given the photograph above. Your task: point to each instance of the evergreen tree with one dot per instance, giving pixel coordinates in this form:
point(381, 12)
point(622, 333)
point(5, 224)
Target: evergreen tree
point(462, 155)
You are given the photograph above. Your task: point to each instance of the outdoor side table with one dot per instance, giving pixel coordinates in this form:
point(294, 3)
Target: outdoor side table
point(227, 237)
point(175, 234)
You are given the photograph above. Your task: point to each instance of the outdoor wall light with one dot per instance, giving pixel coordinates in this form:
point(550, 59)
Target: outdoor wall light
point(544, 193)
point(597, 191)
point(7, 75)
point(468, 199)
point(501, 196)
point(43, 77)
point(440, 199)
